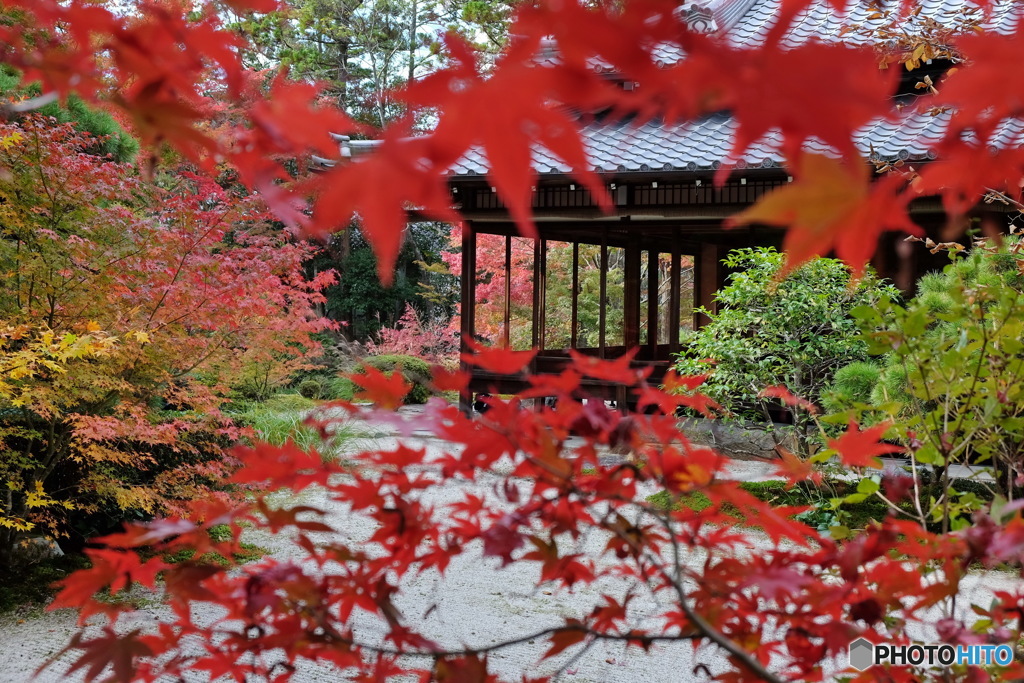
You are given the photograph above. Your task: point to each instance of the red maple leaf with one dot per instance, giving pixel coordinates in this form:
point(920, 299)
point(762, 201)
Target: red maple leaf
point(832, 206)
point(788, 398)
point(715, 77)
point(466, 669)
point(118, 651)
point(444, 379)
point(401, 173)
point(774, 580)
point(969, 90)
point(619, 370)
point(991, 169)
point(566, 638)
point(499, 360)
point(387, 391)
point(794, 469)
point(470, 118)
point(858, 448)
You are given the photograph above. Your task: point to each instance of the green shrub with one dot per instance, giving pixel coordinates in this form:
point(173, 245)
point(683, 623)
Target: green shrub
point(826, 509)
point(793, 332)
point(34, 586)
point(341, 389)
point(952, 359)
point(852, 385)
point(313, 388)
point(277, 422)
point(415, 370)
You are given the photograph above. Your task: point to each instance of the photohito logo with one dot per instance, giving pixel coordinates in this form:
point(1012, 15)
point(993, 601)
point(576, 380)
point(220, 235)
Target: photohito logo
point(864, 654)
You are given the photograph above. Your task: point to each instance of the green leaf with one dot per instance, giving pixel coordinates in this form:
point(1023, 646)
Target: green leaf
point(867, 486)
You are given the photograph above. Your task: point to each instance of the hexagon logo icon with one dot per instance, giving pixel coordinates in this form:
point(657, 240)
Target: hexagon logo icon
point(862, 654)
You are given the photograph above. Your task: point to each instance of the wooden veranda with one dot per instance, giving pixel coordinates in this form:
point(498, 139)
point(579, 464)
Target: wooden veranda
point(666, 240)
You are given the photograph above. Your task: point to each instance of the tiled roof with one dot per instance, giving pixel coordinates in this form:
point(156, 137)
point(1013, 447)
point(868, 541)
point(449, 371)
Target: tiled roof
point(745, 23)
point(819, 21)
point(703, 144)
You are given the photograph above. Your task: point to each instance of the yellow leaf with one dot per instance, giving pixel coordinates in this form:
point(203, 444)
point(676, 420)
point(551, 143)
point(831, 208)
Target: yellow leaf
point(18, 524)
point(38, 498)
point(11, 140)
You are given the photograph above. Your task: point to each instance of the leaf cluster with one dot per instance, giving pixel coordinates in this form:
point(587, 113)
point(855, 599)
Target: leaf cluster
point(949, 368)
point(769, 329)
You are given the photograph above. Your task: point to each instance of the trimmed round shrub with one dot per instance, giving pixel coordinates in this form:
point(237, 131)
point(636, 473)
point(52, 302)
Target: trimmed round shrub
point(794, 332)
point(851, 385)
point(313, 388)
point(341, 389)
point(415, 370)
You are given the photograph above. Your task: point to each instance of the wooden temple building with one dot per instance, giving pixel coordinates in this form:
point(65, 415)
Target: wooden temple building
point(665, 233)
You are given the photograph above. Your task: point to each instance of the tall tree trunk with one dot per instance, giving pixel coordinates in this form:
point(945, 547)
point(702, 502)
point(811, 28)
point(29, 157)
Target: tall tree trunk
point(413, 29)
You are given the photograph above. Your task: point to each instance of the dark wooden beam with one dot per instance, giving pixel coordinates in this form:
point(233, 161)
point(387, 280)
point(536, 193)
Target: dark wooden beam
point(538, 299)
point(603, 298)
point(631, 296)
point(675, 280)
point(507, 317)
point(711, 279)
point(652, 234)
point(468, 303)
point(653, 265)
point(697, 274)
point(541, 283)
point(574, 330)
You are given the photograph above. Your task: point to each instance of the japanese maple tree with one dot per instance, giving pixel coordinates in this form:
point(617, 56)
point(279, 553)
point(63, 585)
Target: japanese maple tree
point(123, 300)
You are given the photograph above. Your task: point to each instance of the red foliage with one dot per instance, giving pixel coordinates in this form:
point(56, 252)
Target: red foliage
point(412, 337)
point(160, 63)
point(858, 448)
point(195, 290)
point(789, 607)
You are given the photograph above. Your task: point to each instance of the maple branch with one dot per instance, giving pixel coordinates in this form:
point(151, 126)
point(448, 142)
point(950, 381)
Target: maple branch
point(645, 639)
point(184, 257)
point(996, 195)
point(704, 626)
point(28, 105)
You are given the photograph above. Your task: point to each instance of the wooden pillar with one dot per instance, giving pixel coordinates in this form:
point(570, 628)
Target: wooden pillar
point(631, 305)
point(538, 300)
point(698, 273)
point(710, 278)
point(653, 265)
point(603, 295)
point(468, 301)
point(574, 330)
point(541, 283)
point(507, 318)
point(675, 283)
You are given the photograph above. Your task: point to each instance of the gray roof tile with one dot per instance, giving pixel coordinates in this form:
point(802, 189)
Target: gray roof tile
point(701, 145)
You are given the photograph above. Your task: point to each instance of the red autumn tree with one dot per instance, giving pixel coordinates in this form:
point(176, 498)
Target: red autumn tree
point(125, 300)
